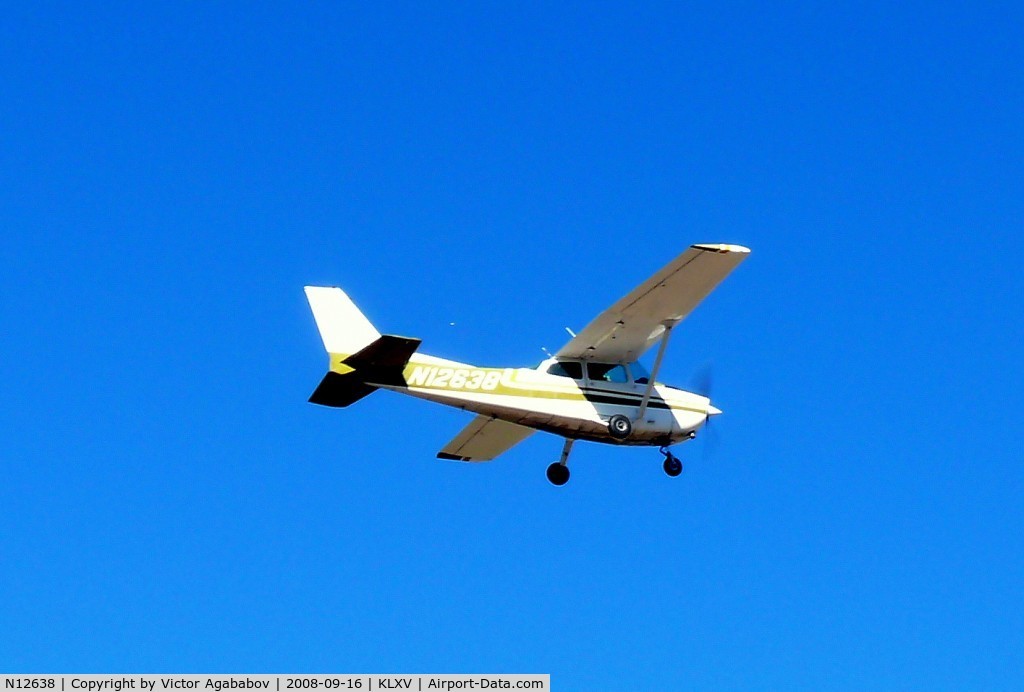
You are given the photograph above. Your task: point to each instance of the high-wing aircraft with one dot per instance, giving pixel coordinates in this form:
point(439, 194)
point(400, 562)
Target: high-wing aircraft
point(593, 388)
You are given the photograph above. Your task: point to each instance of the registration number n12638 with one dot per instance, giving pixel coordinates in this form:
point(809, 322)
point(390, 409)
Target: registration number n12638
point(454, 378)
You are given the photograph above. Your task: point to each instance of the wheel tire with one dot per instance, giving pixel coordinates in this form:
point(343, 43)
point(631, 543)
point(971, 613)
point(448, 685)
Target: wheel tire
point(619, 427)
point(558, 474)
point(673, 467)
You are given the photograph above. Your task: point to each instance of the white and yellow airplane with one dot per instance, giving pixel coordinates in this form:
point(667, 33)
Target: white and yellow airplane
point(593, 389)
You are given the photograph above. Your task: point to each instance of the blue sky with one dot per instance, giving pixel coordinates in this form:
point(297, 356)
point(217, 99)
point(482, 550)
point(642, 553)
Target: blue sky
point(171, 175)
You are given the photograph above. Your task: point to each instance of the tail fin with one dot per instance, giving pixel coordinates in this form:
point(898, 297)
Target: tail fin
point(343, 327)
point(361, 358)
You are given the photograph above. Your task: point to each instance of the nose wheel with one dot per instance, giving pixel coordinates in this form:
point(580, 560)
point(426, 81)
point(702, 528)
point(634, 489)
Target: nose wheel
point(673, 467)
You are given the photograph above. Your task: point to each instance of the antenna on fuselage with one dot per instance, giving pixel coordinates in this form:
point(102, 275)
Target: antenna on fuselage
point(571, 332)
point(546, 352)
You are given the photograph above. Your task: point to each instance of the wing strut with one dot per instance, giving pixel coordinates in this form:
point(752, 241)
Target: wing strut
point(657, 366)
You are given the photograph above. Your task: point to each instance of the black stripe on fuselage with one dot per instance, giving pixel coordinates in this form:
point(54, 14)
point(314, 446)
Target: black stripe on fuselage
point(605, 396)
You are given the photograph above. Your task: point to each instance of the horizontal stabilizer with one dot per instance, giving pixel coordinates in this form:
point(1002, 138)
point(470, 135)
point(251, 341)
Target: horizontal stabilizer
point(386, 352)
point(339, 391)
point(383, 361)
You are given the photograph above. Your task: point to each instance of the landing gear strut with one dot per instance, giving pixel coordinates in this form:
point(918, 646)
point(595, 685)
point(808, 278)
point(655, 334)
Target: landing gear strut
point(673, 467)
point(558, 472)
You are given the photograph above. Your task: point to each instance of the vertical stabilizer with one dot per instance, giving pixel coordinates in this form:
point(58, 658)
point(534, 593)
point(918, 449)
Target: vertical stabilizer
point(343, 327)
point(361, 359)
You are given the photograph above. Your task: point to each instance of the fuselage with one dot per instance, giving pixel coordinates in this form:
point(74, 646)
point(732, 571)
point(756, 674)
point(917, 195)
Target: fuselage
point(573, 407)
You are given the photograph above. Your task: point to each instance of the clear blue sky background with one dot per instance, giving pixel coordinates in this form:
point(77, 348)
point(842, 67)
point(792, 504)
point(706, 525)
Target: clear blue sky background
point(172, 175)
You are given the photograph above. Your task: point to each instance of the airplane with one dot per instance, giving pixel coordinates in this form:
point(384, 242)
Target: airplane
point(594, 388)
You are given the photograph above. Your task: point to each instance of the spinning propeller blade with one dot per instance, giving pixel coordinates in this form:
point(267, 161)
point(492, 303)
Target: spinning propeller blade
point(701, 383)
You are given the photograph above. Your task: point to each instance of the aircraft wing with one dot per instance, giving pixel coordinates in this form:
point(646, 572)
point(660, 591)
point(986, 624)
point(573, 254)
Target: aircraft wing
point(484, 439)
point(623, 332)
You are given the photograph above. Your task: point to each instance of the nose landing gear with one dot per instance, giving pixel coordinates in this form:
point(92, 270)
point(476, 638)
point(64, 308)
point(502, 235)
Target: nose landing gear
point(673, 467)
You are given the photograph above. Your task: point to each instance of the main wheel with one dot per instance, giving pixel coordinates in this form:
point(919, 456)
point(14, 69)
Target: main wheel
point(558, 474)
point(619, 426)
point(673, 467)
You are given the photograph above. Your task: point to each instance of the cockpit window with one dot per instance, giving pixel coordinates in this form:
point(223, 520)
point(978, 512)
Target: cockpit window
point(640, 374)
point(567, 369)
point(608, 372)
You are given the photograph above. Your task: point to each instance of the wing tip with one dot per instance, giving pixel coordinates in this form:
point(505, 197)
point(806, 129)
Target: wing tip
point(723, 248)
point(452, 457)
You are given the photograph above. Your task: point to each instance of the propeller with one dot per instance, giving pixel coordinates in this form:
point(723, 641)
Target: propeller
point(701, 383)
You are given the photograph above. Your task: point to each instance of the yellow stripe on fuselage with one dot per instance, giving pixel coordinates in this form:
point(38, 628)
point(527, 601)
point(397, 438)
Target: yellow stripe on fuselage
point(425, 373)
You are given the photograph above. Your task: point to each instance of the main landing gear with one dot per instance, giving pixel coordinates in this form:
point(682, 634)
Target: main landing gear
point(673, 467)
point(619, 426)
point(558, 472)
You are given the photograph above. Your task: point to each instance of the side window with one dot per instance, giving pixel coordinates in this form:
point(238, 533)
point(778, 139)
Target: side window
point(617, 374)
point(608, 372)
point(567, 369)
point(640, 374)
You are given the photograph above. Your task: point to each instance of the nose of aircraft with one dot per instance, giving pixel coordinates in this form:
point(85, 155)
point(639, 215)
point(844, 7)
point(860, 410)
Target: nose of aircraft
point(713, 410)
